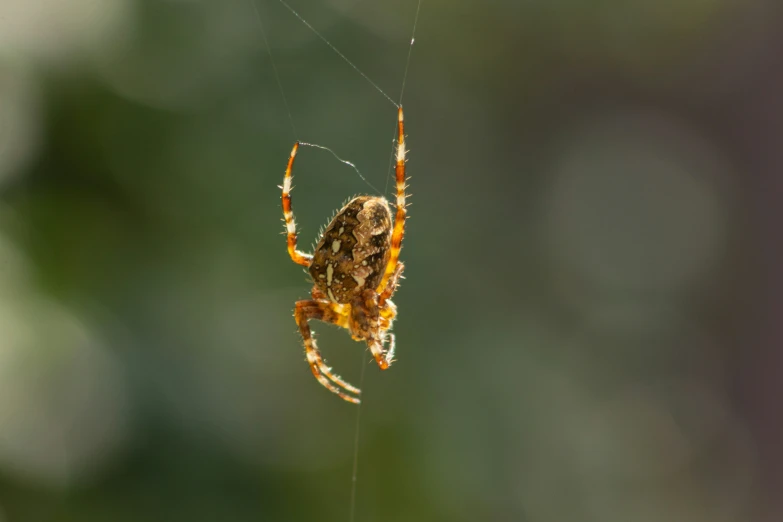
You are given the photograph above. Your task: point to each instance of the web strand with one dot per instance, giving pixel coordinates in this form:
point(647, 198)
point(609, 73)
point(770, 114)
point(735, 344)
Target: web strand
point(410, 51)
point(355, 467)
point(285, 99)
point(274, 68)
point(402, 92)
point(354, 474)
point(354, 167)
point(341, 55)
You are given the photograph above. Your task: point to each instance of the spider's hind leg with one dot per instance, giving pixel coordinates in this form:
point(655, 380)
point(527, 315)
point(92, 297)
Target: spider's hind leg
point(322, 311)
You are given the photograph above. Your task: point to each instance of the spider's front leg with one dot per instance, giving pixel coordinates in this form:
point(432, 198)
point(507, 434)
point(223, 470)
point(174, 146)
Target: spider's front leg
point(322, 311)
point(398, 232)
point(298, 257)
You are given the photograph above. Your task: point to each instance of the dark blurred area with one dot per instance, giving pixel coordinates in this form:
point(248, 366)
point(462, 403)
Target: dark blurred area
point(590, 328)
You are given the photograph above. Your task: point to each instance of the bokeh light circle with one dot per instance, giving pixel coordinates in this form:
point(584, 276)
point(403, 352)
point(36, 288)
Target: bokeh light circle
point(636, 204)
point(63, 403)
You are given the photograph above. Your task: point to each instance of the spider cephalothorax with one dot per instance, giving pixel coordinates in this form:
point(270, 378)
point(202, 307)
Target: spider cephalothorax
point(356, 269)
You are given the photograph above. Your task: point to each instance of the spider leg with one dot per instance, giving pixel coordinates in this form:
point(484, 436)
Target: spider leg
point(322, 311)
point(394, 282)
point(370, 322)
point(388, 313)
point(318, 295)
point(400, 216)
point(390, 349)
point(300, 258)
point(383, 357)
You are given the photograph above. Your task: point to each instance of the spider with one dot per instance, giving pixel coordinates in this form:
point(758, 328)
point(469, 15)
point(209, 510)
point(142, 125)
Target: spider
point(355, 270)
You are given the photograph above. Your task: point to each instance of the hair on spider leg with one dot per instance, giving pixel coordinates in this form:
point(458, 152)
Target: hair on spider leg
point(376, 310)
point(407, 203)
point(355, 270)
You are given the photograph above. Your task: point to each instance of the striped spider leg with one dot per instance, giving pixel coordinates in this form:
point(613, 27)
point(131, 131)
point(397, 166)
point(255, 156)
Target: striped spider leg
point(355, 270)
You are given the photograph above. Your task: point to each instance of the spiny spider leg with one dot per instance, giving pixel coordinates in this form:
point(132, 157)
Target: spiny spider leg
point(394, 282)
point(399, 218)
point(355, 269)
point(308, 310)
point(368, 318)
point(300, 258)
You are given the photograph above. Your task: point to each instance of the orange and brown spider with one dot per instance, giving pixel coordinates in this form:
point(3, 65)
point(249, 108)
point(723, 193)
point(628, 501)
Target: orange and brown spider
point(356, 269)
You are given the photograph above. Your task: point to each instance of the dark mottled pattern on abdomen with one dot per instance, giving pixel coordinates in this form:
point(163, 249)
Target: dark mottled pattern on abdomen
point(352, 253)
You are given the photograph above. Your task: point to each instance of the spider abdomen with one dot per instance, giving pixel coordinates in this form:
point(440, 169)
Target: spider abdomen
point(353, 251)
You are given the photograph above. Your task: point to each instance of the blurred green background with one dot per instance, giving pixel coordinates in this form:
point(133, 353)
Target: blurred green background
point(590, 325)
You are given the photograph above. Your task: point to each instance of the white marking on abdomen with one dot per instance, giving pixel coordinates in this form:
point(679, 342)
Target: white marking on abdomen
point(329, 274)
point(331, 295)
point(336, 246)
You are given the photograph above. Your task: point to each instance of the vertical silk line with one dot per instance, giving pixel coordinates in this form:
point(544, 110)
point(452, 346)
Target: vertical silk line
point(402, 92)
point(352, 516)
point(354, 474)
point(274, 68)
point(355, 466)
point(410, 51)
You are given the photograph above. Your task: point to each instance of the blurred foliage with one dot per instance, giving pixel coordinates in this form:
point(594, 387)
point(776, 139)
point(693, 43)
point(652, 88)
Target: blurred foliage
point(589, 328)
